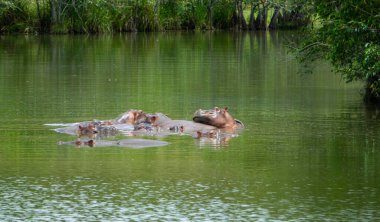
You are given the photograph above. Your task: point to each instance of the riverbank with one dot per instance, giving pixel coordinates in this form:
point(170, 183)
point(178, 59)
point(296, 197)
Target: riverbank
point(101, 16)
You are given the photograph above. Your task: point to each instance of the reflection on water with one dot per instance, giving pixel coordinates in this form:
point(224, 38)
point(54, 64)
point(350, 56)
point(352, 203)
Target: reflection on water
point(310, 150)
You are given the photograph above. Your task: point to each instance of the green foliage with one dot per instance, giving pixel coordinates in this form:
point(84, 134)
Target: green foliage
point(200, 14)
point(143, 15)
point(371, 67)
point(223, 13)
point(120, 17)
point(187, 15)
point(195, 15)
point(349, 38)
point(43, 16)
point(98, 16)
point(14, 16)
point(84, 16)
point(74, 12)
point(295, 14)
point(170, 12)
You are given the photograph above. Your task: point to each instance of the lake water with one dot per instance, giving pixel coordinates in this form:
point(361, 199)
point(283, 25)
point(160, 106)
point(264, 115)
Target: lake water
point(310, 150)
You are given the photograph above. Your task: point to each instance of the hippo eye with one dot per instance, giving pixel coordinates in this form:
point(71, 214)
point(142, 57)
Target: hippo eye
point(216, 109)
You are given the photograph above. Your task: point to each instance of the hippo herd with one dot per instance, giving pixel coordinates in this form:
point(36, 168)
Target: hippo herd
point(216, 125)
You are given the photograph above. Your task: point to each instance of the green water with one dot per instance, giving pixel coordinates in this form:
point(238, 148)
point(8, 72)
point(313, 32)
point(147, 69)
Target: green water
point(310, 150)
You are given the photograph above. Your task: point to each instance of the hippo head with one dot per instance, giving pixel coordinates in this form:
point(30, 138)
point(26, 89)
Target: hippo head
point(132, 117)
point(86, 130)
point(217, 117)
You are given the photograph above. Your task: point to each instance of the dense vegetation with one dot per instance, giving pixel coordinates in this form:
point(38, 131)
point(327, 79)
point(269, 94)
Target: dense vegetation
point(349, 37)
point(99, 16)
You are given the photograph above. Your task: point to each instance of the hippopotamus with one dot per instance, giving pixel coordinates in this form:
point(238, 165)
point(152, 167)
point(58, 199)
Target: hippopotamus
point(216, 125)
point(219, 118)
point(132, 116)
point(88, 130)
point(164, 123)
point(104, 128)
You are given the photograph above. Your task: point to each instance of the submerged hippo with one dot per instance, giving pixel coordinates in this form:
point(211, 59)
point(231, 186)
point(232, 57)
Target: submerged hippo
point(132, 116)
point(88, 130)
point(104, 128)
point(215, 125)
point(219, 118)
point(164, 123)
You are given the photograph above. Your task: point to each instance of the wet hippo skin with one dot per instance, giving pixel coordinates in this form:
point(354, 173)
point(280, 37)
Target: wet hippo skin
point(217, 117)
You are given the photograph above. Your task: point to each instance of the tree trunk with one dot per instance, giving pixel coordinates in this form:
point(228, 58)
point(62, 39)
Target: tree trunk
point(38, 12)
point(43, 15)
point(210, 14)
point(157, 14)
point(252, 20)
point(274, 20)
point(38, 9)
point(53, 11)
point(261, 20)
point(372, 94)
point(241, 23)
point(56, 11)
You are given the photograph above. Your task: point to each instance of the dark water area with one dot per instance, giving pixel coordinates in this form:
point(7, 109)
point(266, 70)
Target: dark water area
point(310, 150)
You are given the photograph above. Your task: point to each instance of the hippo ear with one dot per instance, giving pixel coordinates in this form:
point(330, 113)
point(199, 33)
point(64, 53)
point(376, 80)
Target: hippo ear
point(226, 108)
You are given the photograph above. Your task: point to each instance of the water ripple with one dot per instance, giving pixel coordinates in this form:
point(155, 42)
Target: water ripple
point(77, 199)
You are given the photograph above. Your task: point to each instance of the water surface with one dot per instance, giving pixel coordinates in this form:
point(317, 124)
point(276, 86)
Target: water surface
point(310, 150)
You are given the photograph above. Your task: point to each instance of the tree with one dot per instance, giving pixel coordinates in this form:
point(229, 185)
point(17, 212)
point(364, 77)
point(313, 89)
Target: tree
point(349, 37)
point(274, 19)
point(241, 23)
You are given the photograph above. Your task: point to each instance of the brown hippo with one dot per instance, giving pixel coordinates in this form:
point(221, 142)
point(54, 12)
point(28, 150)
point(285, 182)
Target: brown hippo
point(104, 128)
point(215, 125)
point(132, 116)
point(95, 129)
point(217, 117)
point(88, 130)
